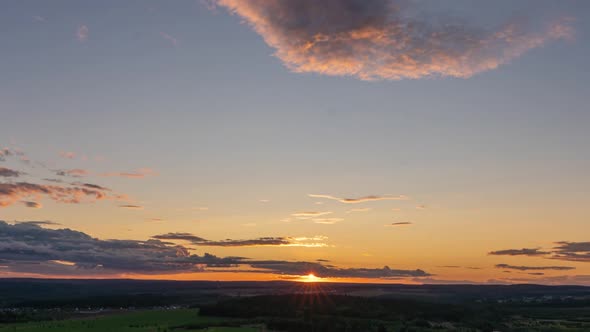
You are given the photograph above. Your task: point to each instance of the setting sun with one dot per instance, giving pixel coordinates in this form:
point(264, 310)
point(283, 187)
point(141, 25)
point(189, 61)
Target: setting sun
point(311, 278)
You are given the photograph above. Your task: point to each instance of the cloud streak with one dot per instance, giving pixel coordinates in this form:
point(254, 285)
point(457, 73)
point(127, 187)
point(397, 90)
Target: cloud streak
point(257, 242)
point(572, 251)
point(565, 251)
point(137, 174)
point(357, 200)
point(385, 39)
point(534, 268)
point(172, 40)
point(519, 252)
point(401, 223)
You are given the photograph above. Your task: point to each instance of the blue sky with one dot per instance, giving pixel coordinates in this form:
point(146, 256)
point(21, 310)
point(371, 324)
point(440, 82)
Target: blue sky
point(196, 95)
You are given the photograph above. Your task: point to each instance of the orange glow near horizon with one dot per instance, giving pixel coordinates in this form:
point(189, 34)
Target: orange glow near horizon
point(311, 278)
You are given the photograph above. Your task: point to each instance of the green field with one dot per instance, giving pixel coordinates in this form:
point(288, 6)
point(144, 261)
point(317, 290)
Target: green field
point(144, 321)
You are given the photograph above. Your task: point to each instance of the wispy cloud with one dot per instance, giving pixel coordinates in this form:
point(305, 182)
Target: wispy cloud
point(360, 199)
point(11, 193)
point(131, 207)
point(534, 268)
point(137, 174)
point(401, 223)
point(566, 251)
point(310, 214)
point(39, 222)
point(172, 40)
point(519, 252)
point(257, 242)
point(327, 221)
point(60, 190)
point(358, 210)
point(82, 33)
point(385, 39)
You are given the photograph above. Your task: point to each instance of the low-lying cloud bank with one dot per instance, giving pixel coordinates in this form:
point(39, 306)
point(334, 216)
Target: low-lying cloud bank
point(27, 247)
point(386, 39)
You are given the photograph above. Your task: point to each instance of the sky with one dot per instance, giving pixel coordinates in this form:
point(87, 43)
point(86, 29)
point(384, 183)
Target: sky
point(404, 141)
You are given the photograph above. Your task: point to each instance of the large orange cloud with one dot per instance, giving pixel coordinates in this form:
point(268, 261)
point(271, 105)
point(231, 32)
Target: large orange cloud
point(381, 39)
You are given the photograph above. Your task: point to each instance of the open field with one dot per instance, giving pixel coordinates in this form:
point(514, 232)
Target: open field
point(144, 321)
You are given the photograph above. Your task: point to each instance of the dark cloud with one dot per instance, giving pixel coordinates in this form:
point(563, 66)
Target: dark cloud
point(11, 193)
point(386, 39)
point(7, 173)
point(91, 186)
point(28, 243)
point(39, 222)
point(258, 242)
point(29, 248)
point(572, 251)
point(131, 207)
point(566, 251)
point(263, 241)
point(401, 223)
point(534, 268)
point(323, 271)
point(179, 236)
point(33, 205)
point(519, 252)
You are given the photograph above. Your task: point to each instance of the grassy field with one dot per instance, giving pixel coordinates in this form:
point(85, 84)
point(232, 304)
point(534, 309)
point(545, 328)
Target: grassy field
point(144, 321)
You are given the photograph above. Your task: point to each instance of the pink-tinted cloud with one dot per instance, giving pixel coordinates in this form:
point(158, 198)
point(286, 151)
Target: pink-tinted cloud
point(384, 39)
point(11, 193)
point(169, 38)
point(82, 33)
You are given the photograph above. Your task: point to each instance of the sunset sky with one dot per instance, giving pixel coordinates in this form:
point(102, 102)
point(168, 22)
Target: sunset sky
point(407, 141)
